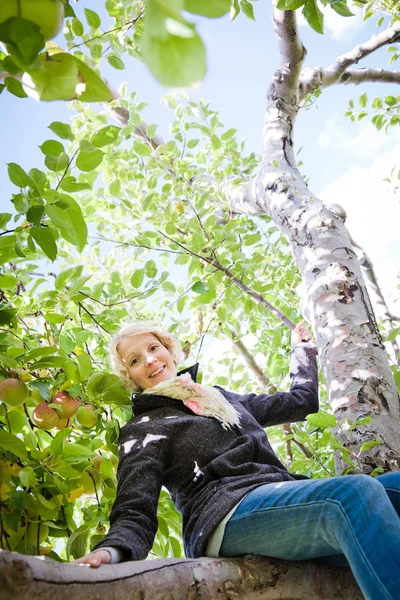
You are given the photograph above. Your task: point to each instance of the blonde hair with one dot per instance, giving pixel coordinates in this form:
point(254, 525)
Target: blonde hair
point(136, 328)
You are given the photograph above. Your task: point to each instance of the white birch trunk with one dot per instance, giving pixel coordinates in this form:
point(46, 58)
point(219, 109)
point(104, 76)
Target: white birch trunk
point(354, 361)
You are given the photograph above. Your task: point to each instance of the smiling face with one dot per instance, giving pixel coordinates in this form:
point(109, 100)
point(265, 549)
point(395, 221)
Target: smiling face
point(148, 362)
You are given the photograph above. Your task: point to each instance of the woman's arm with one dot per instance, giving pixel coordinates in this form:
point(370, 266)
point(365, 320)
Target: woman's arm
point(133, 517)
point(302, 399)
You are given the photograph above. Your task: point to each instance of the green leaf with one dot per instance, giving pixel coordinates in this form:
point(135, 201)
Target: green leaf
point(247, 9)
point(57, 163)
point(208, 8)
point(8, 282)
point(77, 450)
point(228, 134)
point(106, 135)
point(63, 76)
point(71, 224)
point(23, 38)
point(44, 239)
point(116, 62)
point(78, 542)
point(90, 159)
point(390, 100)
point(10, 443)
point(341, 8)
point(171, 48)
point(18, 176)
point(322, 419)
point(235, 10)
point(99, 383)
point(314, 16)
point(199, 288)
point(92, 18)
point(150, 268)
point(142, 148)
point(368, 445)
point(69, 184)
point(15, 87)
point(137, 278)
point(27, 477)
point(77, 27)
point(35, 214)
point(290, 4)
point(363, 100)
point(63, 130)
point(96, 90)
point(52, 147)
point(4, 218)
point(389, 338)
point(85, 366)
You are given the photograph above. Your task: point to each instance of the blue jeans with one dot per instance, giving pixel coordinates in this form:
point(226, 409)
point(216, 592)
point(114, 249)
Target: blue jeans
point(354, 517)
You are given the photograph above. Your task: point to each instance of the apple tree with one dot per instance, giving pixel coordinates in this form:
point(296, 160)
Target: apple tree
point(210, 240)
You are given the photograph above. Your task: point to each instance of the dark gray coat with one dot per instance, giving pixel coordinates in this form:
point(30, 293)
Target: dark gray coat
point(206, 469)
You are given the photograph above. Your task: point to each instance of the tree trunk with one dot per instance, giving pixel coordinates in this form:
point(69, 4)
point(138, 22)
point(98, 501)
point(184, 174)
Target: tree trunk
point(355, 364)
point(251, 577)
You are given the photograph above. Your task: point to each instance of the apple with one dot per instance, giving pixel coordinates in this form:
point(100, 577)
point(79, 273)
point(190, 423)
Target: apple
point(45, 417)
point(68, 404)
point(85, 416)
point(31, 534)
point(48, 14)
point(13, 392)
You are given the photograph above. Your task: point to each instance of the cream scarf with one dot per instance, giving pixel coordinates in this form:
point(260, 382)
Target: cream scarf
point(203, 400)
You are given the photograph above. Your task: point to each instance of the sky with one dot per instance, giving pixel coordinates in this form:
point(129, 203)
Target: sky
point(345, 162)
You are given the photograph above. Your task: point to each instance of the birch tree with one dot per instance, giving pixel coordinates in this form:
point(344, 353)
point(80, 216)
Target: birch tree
point(209, 240)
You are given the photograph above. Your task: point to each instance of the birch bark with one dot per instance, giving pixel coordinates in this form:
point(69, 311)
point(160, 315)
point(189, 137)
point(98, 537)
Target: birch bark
point(354, 361)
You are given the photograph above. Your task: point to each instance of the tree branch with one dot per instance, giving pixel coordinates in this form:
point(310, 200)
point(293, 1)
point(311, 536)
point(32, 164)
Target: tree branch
point(291, 48)
point(381, 308)
point(312, 79)
point(370, 75)
point(26, 577)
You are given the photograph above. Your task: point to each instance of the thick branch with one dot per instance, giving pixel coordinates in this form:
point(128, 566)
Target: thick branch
point(370, 75)
point(27, 577)
point(312, 79)
point(282, 96)
point(291, 49)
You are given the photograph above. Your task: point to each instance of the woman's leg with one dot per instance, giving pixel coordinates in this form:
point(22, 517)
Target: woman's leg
point(295, 520)
point(391, 483)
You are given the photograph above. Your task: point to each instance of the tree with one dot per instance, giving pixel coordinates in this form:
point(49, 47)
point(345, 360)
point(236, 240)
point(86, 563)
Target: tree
point(144, 208)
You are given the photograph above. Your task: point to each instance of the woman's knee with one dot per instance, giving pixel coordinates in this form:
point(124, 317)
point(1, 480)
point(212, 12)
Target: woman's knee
point(361, 486)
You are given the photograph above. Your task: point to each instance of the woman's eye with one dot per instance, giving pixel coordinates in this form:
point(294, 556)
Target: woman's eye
point(153, 347)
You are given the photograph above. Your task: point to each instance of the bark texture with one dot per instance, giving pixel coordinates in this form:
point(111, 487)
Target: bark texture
point(251, 577)
point(335, 299)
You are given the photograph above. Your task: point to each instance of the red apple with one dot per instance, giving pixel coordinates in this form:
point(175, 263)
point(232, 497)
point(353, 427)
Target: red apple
point(45, 417)
point(68, 404)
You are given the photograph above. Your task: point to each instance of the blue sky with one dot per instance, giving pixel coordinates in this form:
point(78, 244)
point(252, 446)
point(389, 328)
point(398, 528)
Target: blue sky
point(338, 156)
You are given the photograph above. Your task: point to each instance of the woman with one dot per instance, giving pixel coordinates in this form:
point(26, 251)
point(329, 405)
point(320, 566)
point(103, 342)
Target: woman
point(208, 447)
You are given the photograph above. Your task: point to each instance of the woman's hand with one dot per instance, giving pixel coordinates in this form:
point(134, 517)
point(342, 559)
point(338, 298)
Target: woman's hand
point(300, 334)
point(95, 559)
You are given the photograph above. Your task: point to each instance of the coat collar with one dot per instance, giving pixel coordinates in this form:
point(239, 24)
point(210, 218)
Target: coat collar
point(143, 402)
